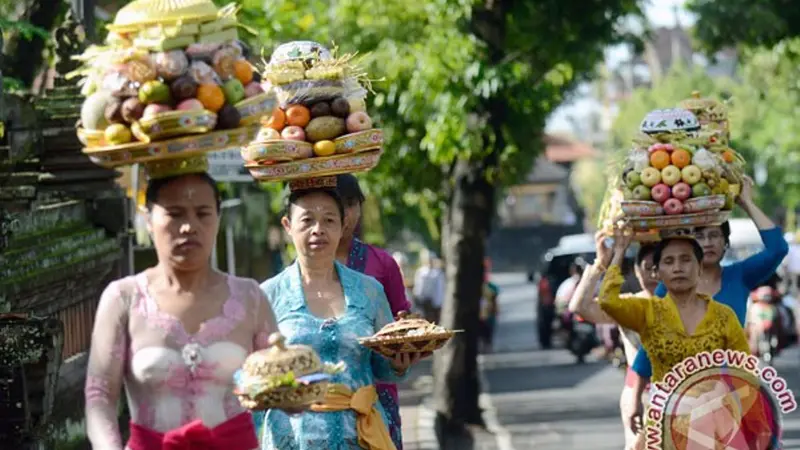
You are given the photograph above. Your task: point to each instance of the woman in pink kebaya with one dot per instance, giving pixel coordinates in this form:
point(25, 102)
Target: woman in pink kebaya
point(174, 334)
point(380, 265)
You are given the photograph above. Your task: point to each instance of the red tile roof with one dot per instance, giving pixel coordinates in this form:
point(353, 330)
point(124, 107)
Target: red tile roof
point(560, 149)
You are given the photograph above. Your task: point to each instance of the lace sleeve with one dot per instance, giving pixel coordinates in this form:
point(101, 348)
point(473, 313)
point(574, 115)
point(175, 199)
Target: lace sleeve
point(106, 369)
point(631, 312)
point(381, 367)
point(265, 318)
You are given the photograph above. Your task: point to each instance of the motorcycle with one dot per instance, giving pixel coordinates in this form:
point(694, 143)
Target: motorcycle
point(582, 337)
point(770, 324)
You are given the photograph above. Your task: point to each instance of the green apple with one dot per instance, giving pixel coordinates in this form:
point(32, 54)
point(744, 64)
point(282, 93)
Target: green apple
point(650, 176)
point(154, 91)
point(701, 190)
point(633, 179)
point(627, 194)
point(234, 91)
point(641, 192)
point(691, 174)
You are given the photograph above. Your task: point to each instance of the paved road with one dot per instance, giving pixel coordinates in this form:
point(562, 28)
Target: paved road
point(542, 400)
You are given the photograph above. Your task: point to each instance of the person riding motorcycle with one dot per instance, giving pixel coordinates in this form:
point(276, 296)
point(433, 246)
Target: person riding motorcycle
point(784, 329)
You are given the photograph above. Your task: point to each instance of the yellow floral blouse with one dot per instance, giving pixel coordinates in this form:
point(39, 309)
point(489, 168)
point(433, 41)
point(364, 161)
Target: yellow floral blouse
point(660, 327)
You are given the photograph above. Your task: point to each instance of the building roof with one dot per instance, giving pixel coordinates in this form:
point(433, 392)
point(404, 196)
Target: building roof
point(561, 149)
point(545, 171)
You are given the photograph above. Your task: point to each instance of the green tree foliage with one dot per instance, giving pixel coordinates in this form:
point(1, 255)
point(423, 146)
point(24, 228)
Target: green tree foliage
point(722, 23)
point(465, 89)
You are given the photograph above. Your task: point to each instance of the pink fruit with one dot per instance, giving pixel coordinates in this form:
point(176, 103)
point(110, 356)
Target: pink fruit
point(673, 206)
point(358, 121)
point(293, 133)
point(190, 104)
point(253, 89)
point(154, 108)
point(668, 147)
point(681, 191)
point(660, 192)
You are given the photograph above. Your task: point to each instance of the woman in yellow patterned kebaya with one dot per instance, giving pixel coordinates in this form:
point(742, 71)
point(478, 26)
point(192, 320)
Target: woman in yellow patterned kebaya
point(682, 324)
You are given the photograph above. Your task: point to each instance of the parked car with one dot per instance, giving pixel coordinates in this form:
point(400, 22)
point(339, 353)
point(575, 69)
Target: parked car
point(555, 269)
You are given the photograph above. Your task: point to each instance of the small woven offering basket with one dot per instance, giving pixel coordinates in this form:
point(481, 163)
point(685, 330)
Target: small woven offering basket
point(409, 334)
point(282, 377)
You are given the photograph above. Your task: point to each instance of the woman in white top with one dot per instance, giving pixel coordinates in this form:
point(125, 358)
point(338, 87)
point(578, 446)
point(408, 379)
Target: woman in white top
point(175, 333)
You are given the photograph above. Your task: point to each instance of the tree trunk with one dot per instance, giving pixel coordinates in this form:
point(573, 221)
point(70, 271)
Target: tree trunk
point(466, 227)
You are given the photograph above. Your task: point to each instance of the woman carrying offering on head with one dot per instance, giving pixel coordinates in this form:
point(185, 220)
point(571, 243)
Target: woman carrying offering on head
point(321, 303)
point(175, 333)
point(379, 264)
point(683, 323)
point(730, 285)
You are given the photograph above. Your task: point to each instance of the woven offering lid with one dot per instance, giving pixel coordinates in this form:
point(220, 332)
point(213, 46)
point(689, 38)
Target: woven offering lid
point(406, 322)
point(280, 359)
point(300, 50)
point(705, 106)
point(669, 120)
point(149, 12)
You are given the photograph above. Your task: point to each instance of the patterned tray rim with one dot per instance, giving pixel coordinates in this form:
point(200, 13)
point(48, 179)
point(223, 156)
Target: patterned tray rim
point(709, 217)
point(381, 340)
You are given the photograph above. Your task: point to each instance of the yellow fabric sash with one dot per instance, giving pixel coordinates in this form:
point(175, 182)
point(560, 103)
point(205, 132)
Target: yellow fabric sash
point(372, 431)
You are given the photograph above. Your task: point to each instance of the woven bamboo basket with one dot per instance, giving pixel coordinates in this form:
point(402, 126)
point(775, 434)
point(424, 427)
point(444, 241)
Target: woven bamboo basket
point(315, 167)
point(701, 204)
point(174, 124)
point(277, 151)
point(287, 398)
point(391, 346)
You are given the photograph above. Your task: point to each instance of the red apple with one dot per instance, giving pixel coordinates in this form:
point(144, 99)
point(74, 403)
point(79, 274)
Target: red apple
point(681, 191)
point(154, 108)
point(293, 133)
point(358, 121)
point(190, 104)
point(673, 206)
point(660, 192)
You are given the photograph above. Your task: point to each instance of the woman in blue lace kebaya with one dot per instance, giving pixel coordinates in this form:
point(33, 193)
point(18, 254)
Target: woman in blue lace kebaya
point(320, 302)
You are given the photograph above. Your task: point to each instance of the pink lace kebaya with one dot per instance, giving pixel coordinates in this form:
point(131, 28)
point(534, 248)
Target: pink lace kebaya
point(178, 384)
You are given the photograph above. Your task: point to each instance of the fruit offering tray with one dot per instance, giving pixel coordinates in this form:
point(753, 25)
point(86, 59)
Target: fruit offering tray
point(315, 167)
point(409, 334)
point(140, 152)
point(656, 223)
point(283, 150)
point(168, 69)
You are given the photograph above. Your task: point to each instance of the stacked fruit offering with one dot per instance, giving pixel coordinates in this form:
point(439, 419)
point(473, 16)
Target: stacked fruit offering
point(321, 109)
point(319, 125)
point(191, 62)
point(672, 175)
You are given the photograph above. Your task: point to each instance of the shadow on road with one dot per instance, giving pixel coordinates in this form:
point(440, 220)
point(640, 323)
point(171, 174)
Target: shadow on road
point(558, 376)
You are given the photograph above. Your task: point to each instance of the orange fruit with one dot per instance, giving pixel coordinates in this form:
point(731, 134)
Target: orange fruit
point(211, 96)
point(243, 71)
point(681, 158)
point(298, 115)
point(277, 121)
point(659, 159)
point(727, 155)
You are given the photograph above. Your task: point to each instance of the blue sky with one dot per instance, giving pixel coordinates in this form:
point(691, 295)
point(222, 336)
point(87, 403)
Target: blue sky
point(660, 13)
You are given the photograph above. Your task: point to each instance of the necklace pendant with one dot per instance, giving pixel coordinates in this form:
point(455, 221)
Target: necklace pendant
point(191, 356)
